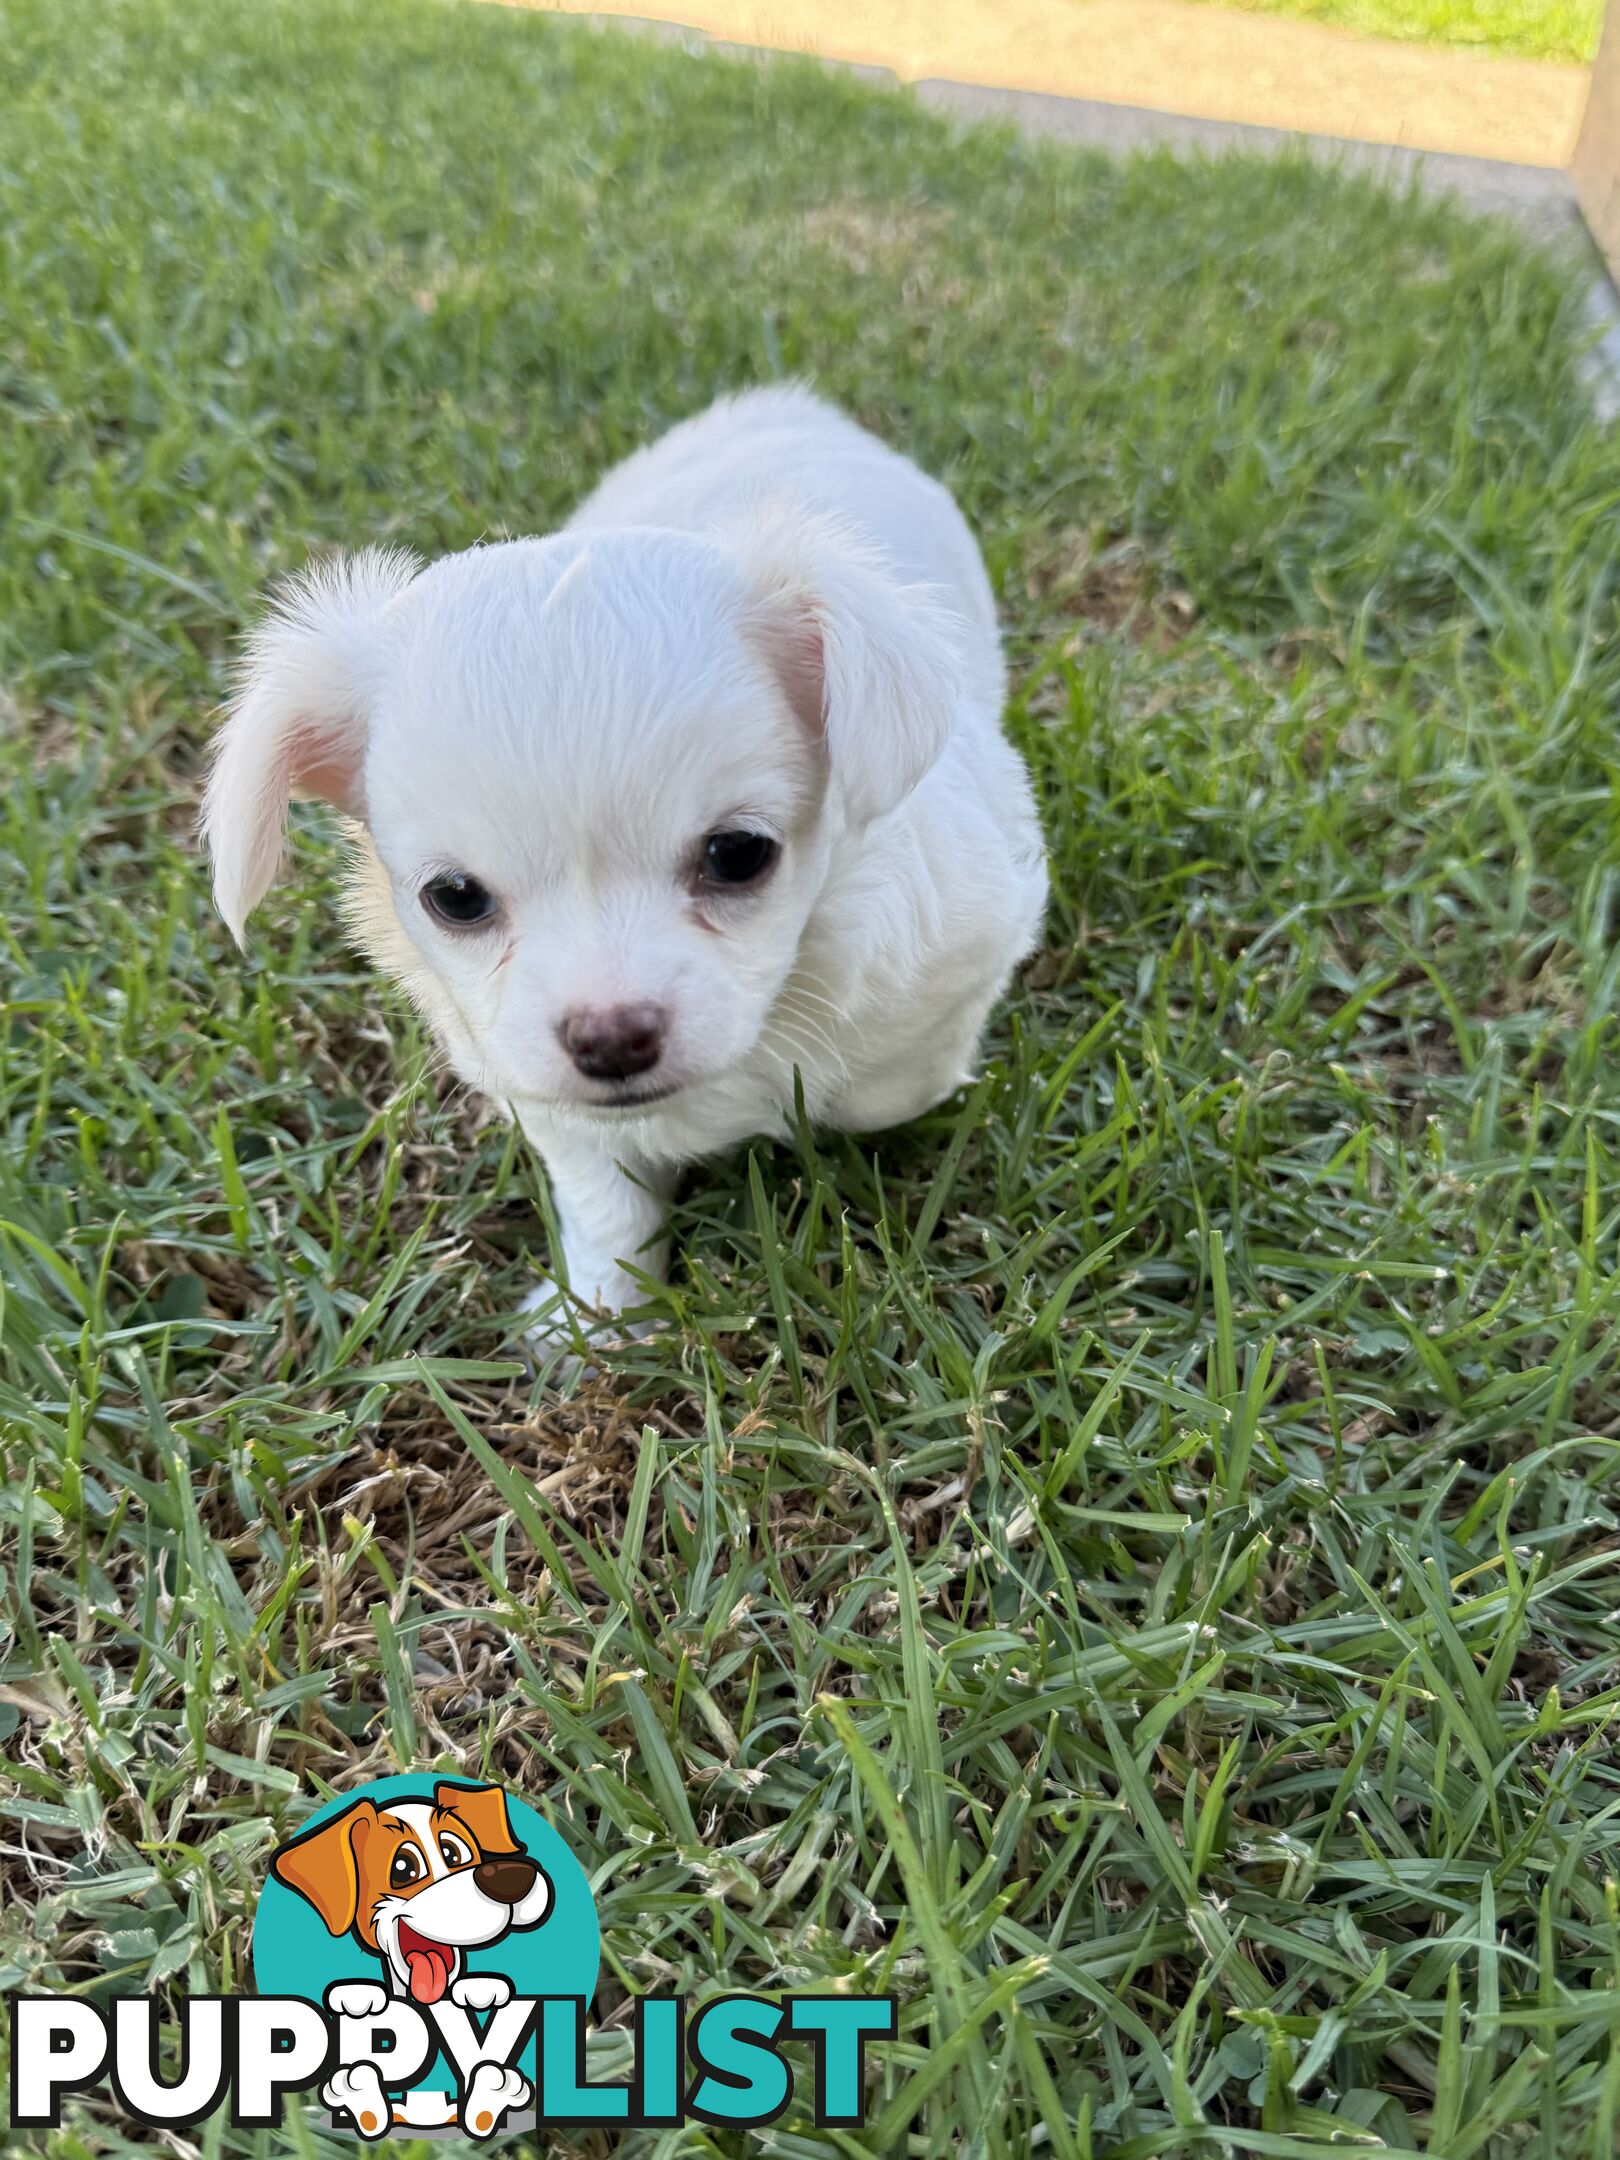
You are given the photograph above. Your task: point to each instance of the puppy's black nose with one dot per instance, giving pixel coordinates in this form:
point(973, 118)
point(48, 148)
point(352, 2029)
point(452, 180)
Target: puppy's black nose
point(614, 1042)
point(507, 1880)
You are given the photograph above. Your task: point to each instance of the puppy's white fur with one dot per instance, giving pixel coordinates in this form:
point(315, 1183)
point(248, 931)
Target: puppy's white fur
point(766, 621)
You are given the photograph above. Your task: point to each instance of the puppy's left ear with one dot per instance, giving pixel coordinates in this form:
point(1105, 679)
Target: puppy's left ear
point(298, 722)
point(871, 664)
point(481, 1809)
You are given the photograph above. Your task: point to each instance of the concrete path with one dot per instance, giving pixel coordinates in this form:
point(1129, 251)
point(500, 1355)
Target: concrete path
point(1182, 58)
point(1535, 196)
point(1494, 176)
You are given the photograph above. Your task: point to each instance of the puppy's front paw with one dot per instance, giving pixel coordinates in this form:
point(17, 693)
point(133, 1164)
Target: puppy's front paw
point(356, 1998)
point(481, 1991)
point(559, 1328)
point(552, 1339)
point(554, 1322)
point(356, 2092)
point(493, 2092)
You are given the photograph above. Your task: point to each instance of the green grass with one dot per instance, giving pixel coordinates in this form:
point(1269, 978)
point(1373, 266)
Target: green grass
point(1528, 29)
point(1176, 1483)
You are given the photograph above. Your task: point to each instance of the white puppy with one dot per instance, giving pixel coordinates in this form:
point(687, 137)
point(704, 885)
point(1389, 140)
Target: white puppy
point(704, 790)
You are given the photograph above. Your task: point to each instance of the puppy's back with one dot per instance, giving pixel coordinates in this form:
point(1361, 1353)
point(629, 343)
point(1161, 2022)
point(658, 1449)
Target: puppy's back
point(712, 472)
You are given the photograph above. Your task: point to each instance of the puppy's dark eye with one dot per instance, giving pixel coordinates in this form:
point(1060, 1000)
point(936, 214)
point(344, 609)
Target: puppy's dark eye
point(458, 901)
point(406, 1868)
point(738, 858)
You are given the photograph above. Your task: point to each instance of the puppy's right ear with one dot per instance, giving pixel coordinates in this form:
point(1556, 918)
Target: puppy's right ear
point(324, 1865)
point(297, 724)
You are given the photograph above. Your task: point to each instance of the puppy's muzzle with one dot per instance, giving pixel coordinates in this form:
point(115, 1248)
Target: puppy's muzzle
point(614, 1042)
point(507, 1880)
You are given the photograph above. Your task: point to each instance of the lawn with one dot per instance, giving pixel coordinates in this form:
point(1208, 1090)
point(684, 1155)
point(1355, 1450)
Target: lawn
point(1530, 29)
point(1132, 1563)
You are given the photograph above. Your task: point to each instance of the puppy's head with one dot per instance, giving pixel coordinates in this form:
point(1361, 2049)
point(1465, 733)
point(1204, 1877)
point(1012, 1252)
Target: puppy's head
point(419, 1882)
point(596, 780)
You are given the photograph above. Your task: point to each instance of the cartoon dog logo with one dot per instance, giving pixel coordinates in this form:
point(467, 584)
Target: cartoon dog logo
point(418, 1883)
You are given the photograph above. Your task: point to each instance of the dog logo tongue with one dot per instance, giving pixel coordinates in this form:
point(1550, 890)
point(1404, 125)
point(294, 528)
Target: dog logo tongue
point(428, 1964)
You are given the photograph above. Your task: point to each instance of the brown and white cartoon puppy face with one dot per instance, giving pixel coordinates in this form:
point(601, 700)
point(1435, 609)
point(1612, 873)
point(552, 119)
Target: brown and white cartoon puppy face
point(419, 1882)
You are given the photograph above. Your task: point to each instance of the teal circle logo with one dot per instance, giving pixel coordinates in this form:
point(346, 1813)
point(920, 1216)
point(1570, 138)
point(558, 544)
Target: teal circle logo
point(426, 1910)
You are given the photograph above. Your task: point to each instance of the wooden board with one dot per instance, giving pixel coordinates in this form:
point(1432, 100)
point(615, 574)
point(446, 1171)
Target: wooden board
point(1596, 168)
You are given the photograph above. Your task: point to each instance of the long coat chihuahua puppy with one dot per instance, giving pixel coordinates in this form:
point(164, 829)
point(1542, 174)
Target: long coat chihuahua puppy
point(707, 789)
